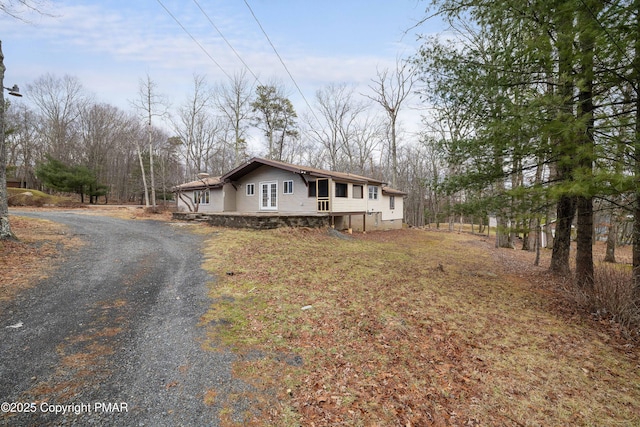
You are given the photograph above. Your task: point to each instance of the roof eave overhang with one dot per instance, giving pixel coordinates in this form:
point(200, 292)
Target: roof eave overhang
point(257, 162)
point(195, 187)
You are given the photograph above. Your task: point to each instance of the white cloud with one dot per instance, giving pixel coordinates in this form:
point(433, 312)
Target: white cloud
point(109, 49)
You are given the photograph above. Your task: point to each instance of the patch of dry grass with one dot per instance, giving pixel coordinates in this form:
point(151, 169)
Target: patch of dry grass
point(406, 328)
point(128, 212)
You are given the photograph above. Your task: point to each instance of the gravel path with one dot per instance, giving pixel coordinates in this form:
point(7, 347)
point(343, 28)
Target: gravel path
point(112, 338)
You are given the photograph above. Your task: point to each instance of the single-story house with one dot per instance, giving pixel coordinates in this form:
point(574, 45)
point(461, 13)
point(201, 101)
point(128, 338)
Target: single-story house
point(269, 188)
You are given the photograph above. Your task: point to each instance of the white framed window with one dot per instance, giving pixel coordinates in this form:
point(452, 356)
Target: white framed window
point(201, 197)
point(392, 202)
point(288, 187)
point(373, 192)
point(251, 189)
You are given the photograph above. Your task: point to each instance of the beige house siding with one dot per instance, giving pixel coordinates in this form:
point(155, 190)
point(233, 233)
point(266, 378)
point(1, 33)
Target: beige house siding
point(389, 214)
point(298, 202)
point(229, 198)
point(374, 205)
point(379, 215)
point(346, 204)
point(216, 201)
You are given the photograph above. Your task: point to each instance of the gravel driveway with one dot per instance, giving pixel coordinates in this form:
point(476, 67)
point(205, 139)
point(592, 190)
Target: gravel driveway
point(112, 338)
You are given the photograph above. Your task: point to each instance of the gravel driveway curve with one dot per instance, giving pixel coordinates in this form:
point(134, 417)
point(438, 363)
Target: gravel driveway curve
point(112, 338)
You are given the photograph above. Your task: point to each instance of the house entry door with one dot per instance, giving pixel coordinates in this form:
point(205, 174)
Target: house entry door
point(269, 196)
point(322, 195)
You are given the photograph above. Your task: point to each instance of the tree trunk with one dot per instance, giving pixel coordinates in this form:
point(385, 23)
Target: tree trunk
point(636, 146)
point(187, 202)
point(584, 252)
point(612, 237)
point(537, 242)
point(144, 179)
point(153, 180)
point(530, 236)
point(526, 241)
point(565, 144)
point(5, 226)
point(394, 152)
point(585, 158)
point(562, 242)
point(636, 239)
point(502, 233)
point(548, 233)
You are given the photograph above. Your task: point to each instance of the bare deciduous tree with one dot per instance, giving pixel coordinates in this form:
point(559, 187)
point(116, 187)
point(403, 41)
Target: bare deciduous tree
point(198, 128)
point(391, 90)
point(59, 101)
point(334, 125)
point(234, 102)
point(20, 9)
point(22, 142)
point(149, 103)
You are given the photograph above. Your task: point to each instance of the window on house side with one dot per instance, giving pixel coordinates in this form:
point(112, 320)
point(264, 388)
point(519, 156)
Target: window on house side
point(341, 189)
point(373, 192)
point(312, 189)
point(288, 187)
point(392, 202)
point(323, 188)
point(357, 192)
point(251, 189)
point(201, 197)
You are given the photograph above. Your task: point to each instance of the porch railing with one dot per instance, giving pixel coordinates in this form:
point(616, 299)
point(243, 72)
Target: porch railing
point(323, 204)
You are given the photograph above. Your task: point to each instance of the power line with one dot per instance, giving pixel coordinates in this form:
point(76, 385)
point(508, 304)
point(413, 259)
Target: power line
point(236, 53)
point(226, 41)
point(194, 39)
point(282, 62)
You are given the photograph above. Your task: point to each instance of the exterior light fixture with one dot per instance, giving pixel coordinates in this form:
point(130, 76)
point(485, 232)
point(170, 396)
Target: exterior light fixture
point(15, 90)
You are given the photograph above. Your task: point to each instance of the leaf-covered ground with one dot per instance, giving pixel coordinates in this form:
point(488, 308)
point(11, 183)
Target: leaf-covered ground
point(32, 258)
point(398, 328)
point(409, 328)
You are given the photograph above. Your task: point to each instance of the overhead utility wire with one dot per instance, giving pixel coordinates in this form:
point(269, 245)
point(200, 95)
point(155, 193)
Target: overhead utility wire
point(194, 39)
point(227, 41)
point(282, 62)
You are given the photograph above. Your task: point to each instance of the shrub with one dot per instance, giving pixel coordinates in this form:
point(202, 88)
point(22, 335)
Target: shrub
point(612, 297)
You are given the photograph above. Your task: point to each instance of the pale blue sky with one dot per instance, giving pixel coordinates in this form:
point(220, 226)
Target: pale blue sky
point(111, 44)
